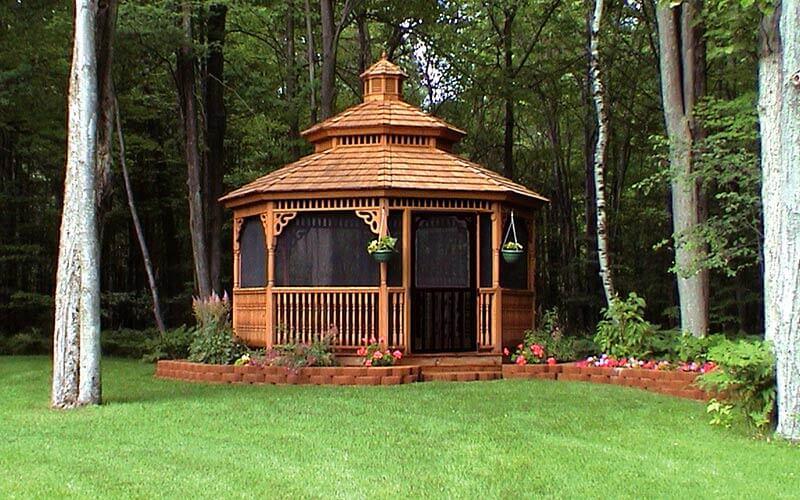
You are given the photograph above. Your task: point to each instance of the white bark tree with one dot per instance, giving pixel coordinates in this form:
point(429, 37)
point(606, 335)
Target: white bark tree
point(76, 374)
point(598, 93)
point(779, 117)
point(682, 83)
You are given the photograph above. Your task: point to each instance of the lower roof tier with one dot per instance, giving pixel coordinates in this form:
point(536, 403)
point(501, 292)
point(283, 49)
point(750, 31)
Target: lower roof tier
point(384, 167)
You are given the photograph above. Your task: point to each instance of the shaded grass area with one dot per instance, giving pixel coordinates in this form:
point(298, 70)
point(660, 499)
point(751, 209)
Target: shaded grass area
point(507, 438)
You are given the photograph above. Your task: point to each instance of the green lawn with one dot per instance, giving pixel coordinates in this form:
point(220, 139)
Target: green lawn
point(505, 439)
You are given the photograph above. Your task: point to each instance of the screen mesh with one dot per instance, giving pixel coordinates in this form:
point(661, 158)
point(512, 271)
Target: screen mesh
point(442, 254)
point(253, 254)
point(325, 249)
point(486, 250)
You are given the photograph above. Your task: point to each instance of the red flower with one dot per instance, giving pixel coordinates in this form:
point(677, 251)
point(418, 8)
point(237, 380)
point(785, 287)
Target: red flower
point(397, 354)
point(521, 360)
point(537, 350)
point(551, 360)
point(505, 351)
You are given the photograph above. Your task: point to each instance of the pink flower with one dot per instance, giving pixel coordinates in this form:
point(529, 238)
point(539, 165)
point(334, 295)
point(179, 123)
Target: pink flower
point(521, 360)
point(397, 354)
point(372, 340)
point(368, 362)
point(505, 351)
point(551, 360)
point(537, 350)
point(520, 346)
point(361, 351)
point(377, 354)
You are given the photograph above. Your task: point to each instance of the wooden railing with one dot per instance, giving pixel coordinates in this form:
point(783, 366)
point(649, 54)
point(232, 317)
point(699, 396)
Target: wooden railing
point(397, 317)
point(302, 314)
point(485, 318)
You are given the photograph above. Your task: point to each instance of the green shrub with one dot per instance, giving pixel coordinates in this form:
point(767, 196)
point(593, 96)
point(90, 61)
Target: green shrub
point(746, 378)
point(173, 344)
point(213, 341)
point(127, 343)
point(296, 356)
point(551, 336)
point(31, 341)
point(623, 331)
point(689, 348)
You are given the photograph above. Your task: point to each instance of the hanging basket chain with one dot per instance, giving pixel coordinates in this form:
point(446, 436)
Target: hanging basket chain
point(511, 229)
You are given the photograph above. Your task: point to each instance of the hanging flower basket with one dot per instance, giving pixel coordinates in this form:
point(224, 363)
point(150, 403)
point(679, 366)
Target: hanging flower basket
point(382, 248)
point(382, 255)
point(512, 252)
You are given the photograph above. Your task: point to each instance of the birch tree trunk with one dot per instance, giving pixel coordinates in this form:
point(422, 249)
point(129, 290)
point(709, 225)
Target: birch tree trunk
point(186, 90)
point(76, 377)
point(598, 93)
point(779, 113)
point(680, 53)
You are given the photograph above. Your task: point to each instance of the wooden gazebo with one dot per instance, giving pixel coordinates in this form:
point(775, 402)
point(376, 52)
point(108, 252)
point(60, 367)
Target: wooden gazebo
point(301, 266)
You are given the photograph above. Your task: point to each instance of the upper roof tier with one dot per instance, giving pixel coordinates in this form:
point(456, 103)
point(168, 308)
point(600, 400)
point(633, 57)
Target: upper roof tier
point(383, 145)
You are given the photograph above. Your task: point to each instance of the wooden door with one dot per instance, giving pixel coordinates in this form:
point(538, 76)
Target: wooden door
point(443, 283)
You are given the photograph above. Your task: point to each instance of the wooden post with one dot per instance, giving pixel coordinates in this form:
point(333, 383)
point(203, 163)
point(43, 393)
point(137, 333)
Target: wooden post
point(497, 303)
point(383, 296)
point(270, 241)
point(478, 317)
point(407, 242)
point(237, 227)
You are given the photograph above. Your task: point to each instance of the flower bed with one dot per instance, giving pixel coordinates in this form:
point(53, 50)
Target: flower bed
point(246, 374)
point(672, 382)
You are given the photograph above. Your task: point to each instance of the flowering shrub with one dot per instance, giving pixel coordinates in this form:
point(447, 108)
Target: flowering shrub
point(296, 356)
point(212, 339)
point(606, 361)
point(528, 354)
point(373, 355)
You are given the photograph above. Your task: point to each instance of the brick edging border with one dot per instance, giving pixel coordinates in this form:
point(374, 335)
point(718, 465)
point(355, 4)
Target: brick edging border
point(334, 375)
point(673, 383)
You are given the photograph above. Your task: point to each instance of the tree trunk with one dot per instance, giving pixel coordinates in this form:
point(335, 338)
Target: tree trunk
point(104, 46)
point(680, 51)
point(216, 122)
point(508, 119)
point(291, 81)
point(185, 74)
point(779, 110)
point(137, 225)
point(364, 43)
point(76, 376)
point(312, 89)
point(598, 93)
point(328, 67)
point(592, 266)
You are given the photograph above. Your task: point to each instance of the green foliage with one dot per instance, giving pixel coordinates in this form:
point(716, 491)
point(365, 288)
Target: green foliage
point(382, 244)
point(551, 336)
point(213, 340)
point(745, 378)
point(623, 331)
point(689, 348)
point(173, 344)
point(28, 342)
point(296, 356)
point(127, 343)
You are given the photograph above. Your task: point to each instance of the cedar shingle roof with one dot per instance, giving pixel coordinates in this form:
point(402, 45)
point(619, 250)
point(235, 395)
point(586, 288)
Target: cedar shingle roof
point(383, 166)
point(381, 113)
point(425, 165)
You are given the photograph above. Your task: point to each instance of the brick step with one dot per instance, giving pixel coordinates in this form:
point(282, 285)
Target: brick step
point(461, 376)
point(461, 368)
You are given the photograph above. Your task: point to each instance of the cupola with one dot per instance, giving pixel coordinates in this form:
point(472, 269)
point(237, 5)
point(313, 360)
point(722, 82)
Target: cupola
point(383, 81)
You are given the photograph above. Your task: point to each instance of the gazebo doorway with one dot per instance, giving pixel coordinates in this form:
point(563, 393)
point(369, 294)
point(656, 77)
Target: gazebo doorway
point(443, 282)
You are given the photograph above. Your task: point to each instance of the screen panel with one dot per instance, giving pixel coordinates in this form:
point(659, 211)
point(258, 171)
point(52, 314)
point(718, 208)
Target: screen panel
point(252, 254)
point(442, 253)
point(325, 249)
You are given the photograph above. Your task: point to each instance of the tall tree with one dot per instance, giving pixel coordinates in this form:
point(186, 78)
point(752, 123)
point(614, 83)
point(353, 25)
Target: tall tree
point(331, 32)
point(779, 113)
point(682, 66)
point(76, 375)
point(311, 57)
point(215, 126)
point(598, 93)
point(185, 78)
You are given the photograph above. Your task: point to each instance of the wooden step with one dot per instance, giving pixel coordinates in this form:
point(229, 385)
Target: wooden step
point(460, 376)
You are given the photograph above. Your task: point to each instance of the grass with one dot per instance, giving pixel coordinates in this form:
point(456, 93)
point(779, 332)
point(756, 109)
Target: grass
point(498, 439)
